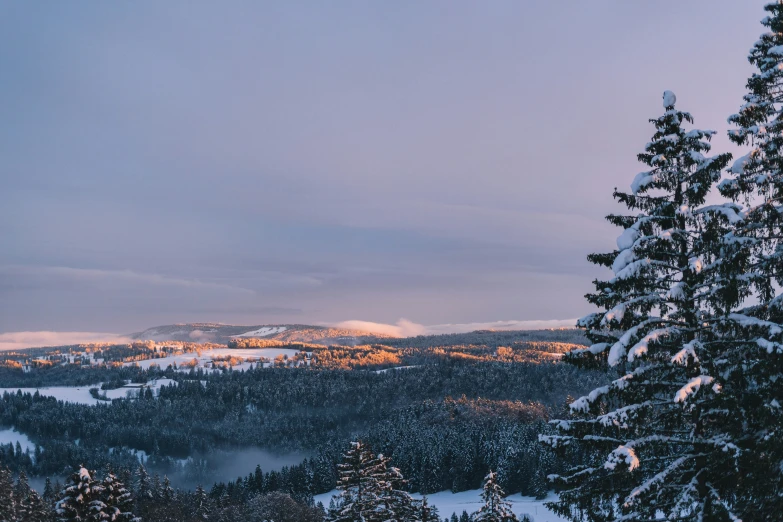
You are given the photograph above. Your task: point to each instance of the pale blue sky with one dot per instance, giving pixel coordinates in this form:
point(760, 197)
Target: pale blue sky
point(267, 162)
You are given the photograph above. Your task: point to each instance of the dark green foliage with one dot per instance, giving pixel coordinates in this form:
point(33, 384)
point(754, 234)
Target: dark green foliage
point(662, 439)
point(371, 490)
point(495, 508)
point(316, 411)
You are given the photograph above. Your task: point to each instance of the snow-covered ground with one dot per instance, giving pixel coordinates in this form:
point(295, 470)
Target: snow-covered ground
point(470, 501)
point(207, 356)
point(263, 332)
point(81, 394)
point(13, 436)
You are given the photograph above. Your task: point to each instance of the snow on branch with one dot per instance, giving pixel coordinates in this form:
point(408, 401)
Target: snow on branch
point(692, 387)
point(620, 416)
point(583, 403)
point(619, 348)
point(747, 321)
point(658, 478)
point(770, 346)
point(642, 346)
point(622, 455)
point(732, 212)
point(687, 353)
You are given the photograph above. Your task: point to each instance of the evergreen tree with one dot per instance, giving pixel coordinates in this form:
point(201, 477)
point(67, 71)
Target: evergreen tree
point(114, 500)
point(85, 499)
point(30, 507)
point(143, 486)
point(659, 439)
point(201, 503)
point(156, 489)
point(399, 504)
point(495, 508)
point(756, 180)
point(77, 497)
point(428, 513)
point(167, 493)
point(7, 497)
point(370, 489)
point(49, 491)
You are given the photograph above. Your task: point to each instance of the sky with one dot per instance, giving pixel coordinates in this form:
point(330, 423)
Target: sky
point(442, 162)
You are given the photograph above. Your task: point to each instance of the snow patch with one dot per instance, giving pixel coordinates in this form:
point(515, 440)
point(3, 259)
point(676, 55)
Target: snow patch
point(692, 387)
point(263, 332)
point(622, 454)
point(470, 501)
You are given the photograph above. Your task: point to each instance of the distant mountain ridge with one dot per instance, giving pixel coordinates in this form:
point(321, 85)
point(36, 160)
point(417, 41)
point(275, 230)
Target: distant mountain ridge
point(326, 335)
point(223, 333)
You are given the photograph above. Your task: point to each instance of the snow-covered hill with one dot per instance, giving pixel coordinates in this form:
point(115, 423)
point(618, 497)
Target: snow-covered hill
point(223, 333)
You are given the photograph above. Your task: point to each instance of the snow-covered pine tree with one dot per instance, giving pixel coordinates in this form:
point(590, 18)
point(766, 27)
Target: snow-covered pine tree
point(77, 496)
point(398, 502)
point(495, 508)
point(201, 503)
point(22, 497)
point(756, 180)
point(156, 488)
point(30, 507)
point(115, 499)
point(358, 489)
point(661, 436)
point(7, 497)
point(143, 484)
point(37, 509)
point(370, 489)
point(48, 492)
point(167, 492)
point(428, 513)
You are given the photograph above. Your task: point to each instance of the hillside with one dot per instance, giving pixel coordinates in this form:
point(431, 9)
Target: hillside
point(223, 333)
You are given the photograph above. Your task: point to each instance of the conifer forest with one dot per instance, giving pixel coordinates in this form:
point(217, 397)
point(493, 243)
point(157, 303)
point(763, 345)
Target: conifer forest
point(663, 403)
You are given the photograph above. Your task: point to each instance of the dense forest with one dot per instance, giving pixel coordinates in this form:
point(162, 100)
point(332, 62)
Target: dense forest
point(448, 416)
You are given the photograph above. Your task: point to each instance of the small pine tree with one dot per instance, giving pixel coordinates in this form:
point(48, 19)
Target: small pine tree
point(495, 508)
point(428, 513)
point(27, 501)
point(370, 489)
point(116, 500)
point(201, 503)
point(398, 503)
point(143, 485)
point(167, 493)
point(7, 497)
point(77, 497)
point(49, 491)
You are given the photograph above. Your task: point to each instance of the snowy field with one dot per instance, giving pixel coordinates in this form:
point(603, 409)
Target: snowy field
point(207, 356)
point(81, 394)
point(13, 436)
point(470, 501)
point(263, 332)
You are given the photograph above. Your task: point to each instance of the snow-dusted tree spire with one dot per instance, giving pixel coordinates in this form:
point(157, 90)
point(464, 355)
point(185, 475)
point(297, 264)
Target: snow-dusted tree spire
point(756, 180)
point(370, 489)
point(495, 508)
point(655, 434)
